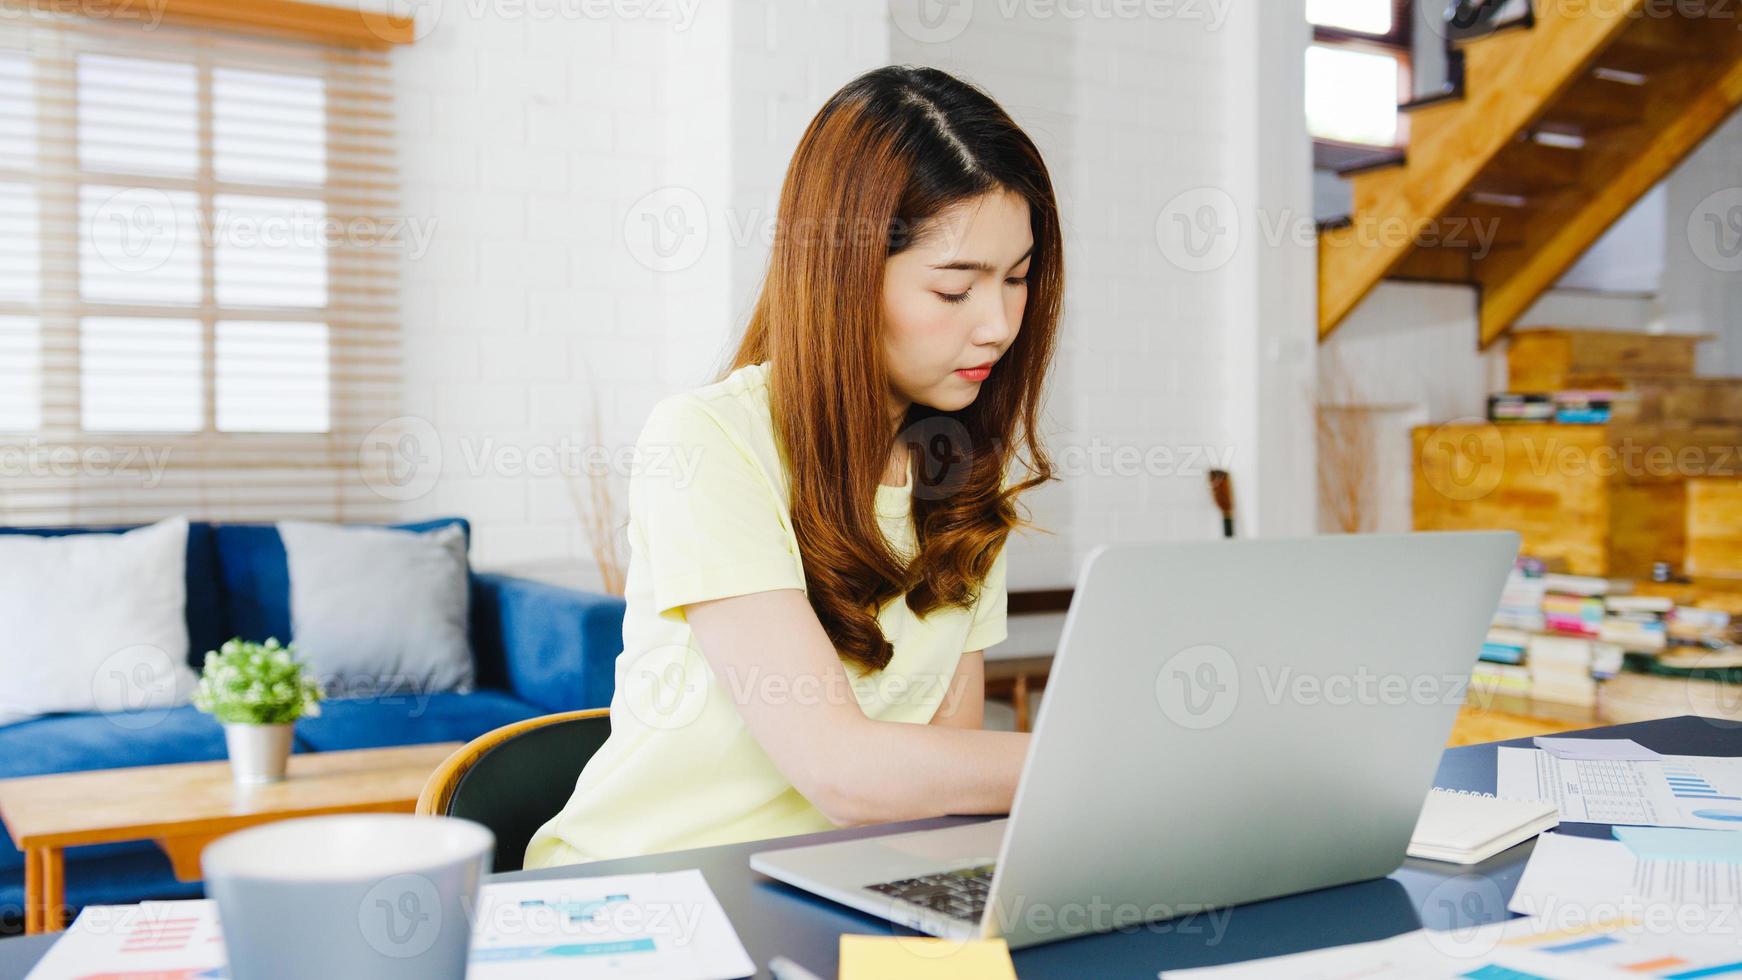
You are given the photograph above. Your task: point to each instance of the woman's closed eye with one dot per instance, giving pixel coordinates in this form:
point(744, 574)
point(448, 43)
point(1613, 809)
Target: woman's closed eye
point(962, 297)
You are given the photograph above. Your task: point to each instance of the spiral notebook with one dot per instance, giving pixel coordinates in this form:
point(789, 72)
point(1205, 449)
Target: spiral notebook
point(1463, 827)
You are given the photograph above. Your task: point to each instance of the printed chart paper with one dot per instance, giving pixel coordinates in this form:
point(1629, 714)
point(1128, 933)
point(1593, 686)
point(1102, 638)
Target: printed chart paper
point(668, 926)
point(1586, 871)
point(1675, 791)
point(158, 940)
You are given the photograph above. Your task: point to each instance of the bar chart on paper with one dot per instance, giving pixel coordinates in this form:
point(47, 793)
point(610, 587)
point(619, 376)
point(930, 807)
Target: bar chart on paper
point(1688, 783)
point(1674, 791)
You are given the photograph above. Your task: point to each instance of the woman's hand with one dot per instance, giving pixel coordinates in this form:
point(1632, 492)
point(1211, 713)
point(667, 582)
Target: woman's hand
point(775, 662)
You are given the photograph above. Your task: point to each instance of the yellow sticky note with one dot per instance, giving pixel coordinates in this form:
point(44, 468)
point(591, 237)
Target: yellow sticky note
point(923, 958)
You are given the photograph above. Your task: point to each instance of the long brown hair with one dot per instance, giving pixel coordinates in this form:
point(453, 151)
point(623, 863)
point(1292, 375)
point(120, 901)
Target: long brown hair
point(891, 150)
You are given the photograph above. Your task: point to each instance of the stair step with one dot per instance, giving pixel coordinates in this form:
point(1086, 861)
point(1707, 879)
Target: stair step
point(1528, 169)
point(1435, 265)
point(1594, 106)
point(1377, 160)
point(1450, 93)
point(1639, 59)
point(1346, 158)
point(1467, 230)
point(1656, 44)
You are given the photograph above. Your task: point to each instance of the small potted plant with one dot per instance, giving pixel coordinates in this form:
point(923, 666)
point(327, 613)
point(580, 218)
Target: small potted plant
point(257, 691)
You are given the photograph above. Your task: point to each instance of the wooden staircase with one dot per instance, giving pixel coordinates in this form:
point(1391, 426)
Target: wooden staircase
point(1561, 126)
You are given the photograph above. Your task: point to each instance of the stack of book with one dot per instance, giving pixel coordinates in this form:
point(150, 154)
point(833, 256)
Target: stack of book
point(1502, 686)
point(1690, 626)
point(1505, 645)
point(1520, 407)
point(1564, 407)
point(1700, 639)
point(1636, 623)
point(1583, 407)
point(1521, 600)
point(1574, 604)
point(1561, 669)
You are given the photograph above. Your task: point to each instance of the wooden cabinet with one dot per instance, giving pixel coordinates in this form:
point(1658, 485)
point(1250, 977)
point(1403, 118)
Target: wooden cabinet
point(1605, 499)
point(1714, 545)
point(1658, 482)
point(1553, 359)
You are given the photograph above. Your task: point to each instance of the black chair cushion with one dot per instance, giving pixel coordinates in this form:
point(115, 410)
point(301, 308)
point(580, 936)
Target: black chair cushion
point(517, 785)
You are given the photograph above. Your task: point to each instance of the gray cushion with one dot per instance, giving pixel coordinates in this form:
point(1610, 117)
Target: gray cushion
point(377, 610)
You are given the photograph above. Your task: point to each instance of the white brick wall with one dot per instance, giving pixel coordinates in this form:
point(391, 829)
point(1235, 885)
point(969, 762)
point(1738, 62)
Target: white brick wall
point(1155, 356)
point(529, 139)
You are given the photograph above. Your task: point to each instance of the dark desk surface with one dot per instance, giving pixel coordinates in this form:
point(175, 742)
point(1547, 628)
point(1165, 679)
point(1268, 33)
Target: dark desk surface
point(773, 919)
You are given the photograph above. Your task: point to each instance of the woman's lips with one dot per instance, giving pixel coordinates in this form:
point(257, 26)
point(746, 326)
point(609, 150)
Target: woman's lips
point(974, 374)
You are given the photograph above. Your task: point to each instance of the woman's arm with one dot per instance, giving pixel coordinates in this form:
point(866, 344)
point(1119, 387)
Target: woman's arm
point(964, 704)
point(773, 659)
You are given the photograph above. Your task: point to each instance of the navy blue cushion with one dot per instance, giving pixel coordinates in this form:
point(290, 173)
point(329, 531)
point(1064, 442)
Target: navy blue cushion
point(205, 604)
point(78, 743)
point(256, 576)
point(410, 719)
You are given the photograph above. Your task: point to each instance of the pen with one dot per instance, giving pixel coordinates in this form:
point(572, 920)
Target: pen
point(784, 969)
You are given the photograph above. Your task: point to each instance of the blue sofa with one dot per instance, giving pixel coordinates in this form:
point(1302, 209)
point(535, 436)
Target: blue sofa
point(539, 649)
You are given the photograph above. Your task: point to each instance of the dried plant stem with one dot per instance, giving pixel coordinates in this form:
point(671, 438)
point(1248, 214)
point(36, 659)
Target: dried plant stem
point(598, 512)
point(1347, 453)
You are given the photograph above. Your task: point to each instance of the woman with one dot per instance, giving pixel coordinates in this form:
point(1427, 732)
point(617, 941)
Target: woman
point(818, 537)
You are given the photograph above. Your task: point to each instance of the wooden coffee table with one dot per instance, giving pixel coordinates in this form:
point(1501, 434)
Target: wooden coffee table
point(184, 807)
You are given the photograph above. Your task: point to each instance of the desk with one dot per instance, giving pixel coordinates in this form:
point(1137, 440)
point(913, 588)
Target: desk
point(772, 918)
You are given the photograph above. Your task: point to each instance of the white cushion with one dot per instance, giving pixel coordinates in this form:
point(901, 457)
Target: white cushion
point(94, 622)
point(379, 610)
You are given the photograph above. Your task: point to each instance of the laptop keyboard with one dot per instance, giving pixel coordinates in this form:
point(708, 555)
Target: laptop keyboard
point(959, 894)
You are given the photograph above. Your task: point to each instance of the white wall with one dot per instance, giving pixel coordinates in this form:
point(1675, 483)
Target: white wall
point(600, 187)
point(548, 145)
point(1703, 275)
point(1173, 353)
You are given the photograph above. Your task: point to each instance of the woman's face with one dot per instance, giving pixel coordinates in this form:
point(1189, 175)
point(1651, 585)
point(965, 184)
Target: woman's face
point(954, 299)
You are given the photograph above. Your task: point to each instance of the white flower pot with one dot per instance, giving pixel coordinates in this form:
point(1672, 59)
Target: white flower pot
point(258, 753)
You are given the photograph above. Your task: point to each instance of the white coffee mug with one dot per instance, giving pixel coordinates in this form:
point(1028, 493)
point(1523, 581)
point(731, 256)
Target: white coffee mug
point(384, 896)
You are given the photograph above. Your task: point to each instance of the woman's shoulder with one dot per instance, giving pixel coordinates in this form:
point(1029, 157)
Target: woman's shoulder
point(737, 404)
point(729, 417)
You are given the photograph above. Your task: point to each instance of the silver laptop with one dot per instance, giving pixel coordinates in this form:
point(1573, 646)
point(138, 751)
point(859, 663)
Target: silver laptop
point(1226, 721)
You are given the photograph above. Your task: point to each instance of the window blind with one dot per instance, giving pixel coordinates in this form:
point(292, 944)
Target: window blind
point(199, 255)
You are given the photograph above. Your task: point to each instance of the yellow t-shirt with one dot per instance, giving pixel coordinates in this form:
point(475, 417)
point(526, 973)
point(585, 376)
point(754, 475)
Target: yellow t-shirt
point(708, 518)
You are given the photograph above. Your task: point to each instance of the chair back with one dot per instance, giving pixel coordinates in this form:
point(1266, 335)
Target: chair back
point(516, 777)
